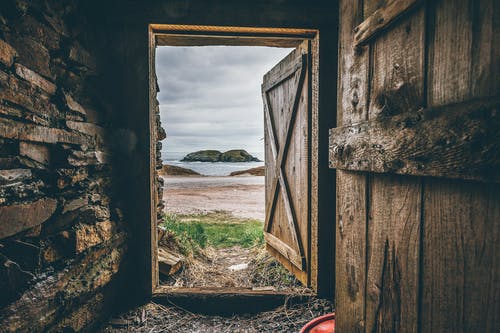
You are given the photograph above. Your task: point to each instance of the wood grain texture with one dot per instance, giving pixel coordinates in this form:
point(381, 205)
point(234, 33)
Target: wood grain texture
point(227, 301)
point(285, 92)
point(351, 188)
point(370, 6)
point(393, 241)
point(461, 257)
point(381, 18)
point(353, 68)
point(350, 262)
point(450, 52)
point(393, 254)
point(201, 40)
point(286, 251)
point(196, 35)
point(460, 279)
point(457, 141)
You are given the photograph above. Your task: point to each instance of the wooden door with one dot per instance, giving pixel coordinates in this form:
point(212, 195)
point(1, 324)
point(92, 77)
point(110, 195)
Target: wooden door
point(416, 151)
point(287, 108)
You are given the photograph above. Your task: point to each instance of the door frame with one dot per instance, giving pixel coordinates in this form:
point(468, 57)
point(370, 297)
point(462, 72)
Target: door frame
point(202, 35)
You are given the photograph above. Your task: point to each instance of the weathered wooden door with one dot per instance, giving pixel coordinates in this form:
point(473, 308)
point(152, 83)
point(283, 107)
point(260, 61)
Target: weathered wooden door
point(285, 92)
point(416, 151)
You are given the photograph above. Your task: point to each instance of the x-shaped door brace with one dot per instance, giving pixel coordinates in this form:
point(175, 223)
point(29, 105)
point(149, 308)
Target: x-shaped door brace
point(280, 182)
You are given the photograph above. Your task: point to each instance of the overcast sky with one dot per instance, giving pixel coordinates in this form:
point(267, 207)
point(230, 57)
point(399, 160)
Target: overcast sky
point(210, 96)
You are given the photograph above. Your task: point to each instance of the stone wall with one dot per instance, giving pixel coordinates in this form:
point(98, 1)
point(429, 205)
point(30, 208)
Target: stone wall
point(62, 235)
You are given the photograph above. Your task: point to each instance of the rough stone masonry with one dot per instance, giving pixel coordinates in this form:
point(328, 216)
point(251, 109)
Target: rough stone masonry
point(62, 234)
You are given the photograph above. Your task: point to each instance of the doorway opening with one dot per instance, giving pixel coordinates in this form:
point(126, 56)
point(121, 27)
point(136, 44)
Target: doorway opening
point(290, 99)
point(214, 169)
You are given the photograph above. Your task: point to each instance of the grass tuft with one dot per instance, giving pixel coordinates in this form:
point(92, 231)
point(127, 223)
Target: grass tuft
point(216, 229)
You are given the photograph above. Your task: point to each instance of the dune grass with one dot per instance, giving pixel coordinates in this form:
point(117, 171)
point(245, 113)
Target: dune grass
point(216, 229)
point(199, 236)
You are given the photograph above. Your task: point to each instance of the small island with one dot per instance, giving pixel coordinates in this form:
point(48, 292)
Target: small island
point(234, 155)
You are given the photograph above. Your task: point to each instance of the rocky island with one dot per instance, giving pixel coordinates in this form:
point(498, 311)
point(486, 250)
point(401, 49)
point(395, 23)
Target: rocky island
point(234, 155)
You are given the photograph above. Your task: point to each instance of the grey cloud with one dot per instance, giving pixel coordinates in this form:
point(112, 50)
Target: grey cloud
point(210, 96)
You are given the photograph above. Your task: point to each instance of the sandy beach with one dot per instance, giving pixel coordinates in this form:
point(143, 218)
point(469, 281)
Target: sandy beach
point(243, 196)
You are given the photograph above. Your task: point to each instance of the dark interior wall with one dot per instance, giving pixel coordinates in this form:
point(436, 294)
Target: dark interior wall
point(75, 148)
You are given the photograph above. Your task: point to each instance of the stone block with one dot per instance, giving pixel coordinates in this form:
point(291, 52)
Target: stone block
point(19, 217)
point(14, 176)
point(30, 26)
point(57, 247)
point(74, 204)
point(88, 236)
point(95, 131)
point(22, 191)
point(11, 112)
point(36, 80)
point(7, 53)
point(86, 214)
point(83, 315)
point(22, 93)
point(31, 54)
point(36, 309)
point(70, 177)
point(35, 151)
point(73, 105)
point(80, 158)
point(12, 129)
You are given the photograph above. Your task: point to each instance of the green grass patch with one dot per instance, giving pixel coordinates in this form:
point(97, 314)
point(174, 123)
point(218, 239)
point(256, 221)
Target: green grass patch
point(217, 229)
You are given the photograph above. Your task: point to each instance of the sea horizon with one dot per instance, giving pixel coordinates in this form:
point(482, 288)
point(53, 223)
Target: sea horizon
point(211, 168)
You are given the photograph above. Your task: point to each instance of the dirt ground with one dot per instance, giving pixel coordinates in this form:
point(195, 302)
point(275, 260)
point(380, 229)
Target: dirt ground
point(235, 267)
point(227, 267)
point(156, 318)
point(243, 196)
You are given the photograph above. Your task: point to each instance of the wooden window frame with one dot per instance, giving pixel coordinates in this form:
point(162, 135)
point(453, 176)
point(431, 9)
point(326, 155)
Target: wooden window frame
point(202, 35)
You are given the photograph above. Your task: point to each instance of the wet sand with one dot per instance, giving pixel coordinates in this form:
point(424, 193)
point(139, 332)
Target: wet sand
point(241, 195)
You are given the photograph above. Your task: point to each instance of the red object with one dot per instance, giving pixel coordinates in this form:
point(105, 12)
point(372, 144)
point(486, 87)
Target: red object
point(323, 324)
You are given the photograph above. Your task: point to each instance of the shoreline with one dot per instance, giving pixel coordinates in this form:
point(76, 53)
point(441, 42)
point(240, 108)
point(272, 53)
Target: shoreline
point(243, 196)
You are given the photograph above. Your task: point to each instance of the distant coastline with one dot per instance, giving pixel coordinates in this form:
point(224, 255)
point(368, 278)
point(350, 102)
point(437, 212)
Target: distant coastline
point(215, 168)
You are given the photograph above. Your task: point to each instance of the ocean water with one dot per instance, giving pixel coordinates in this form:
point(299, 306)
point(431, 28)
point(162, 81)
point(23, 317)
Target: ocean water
point(209, 168)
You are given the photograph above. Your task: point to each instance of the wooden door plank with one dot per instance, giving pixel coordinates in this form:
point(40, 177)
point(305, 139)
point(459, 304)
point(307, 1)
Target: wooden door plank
point(454, 141)
point(350, 261)
point(395, 201)
point(286, 101)
point(281, 152)
point(450, 47)
point(382, 18)
point(460, 278)
point(461, 257)
point(275, 76)
point(485, 48)
point(393, 254)
point(286, 251)
point(370, 6)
